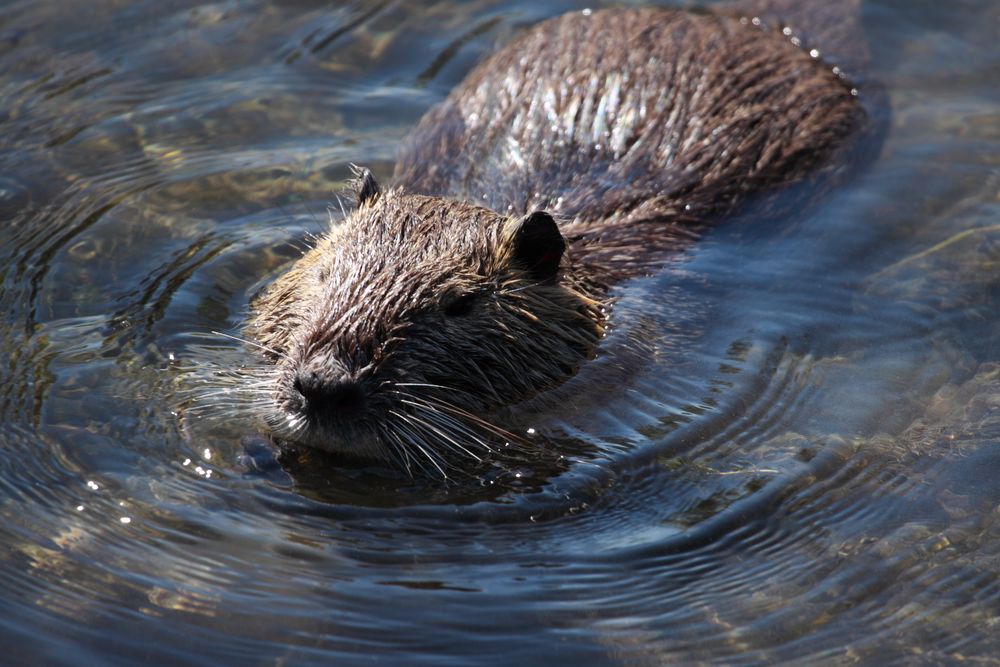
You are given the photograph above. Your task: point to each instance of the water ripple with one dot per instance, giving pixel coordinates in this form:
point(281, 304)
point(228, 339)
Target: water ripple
point(784, 451)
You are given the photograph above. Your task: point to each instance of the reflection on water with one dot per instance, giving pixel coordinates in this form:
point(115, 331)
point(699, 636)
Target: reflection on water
point(791, 455)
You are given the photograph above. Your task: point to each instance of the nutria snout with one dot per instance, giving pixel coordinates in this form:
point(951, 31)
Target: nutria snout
point(417, 320)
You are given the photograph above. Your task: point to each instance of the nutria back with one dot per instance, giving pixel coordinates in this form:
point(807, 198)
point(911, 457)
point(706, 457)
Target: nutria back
point(574, 157)
point(619, 117)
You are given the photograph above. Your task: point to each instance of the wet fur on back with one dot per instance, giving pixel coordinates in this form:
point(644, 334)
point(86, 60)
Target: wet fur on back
point(632, 123)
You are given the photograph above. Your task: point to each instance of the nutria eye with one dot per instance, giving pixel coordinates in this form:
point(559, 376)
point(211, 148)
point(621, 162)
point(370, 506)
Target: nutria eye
point(460, 305)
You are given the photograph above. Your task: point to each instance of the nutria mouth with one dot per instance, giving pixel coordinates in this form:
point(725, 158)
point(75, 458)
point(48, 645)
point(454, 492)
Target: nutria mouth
point(414, 322)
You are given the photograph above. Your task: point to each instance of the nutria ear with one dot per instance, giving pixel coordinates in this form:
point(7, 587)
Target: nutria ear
point(366, 188)
point(538, 245)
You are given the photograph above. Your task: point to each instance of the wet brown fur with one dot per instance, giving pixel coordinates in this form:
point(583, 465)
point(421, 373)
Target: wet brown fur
point(633, 127)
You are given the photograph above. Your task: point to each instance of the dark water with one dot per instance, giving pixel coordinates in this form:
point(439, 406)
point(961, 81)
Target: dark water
point(790, 450)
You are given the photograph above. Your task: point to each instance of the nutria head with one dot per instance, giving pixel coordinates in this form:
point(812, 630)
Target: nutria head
point(409, 324)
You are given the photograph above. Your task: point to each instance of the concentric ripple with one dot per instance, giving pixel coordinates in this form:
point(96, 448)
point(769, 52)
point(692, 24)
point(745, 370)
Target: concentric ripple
point(784, 452)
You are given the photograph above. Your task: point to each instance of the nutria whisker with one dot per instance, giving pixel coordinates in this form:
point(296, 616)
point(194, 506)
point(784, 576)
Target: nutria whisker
point(441, 424)
point(420, 384)
point(476, 419)
point(408, 459)
point(440, 409)
point(409, 439)
point(218, 391)
point(450, 422)
point(426, 385)
point(437, 435)
point(394, 449)
point(426, 402)
point(259, 346)
point(447, 421)
point(293, 428)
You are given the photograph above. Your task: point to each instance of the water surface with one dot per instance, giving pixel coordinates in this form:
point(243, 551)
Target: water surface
point(788, 450)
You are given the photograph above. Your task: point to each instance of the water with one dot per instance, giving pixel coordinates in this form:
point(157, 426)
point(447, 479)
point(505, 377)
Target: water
point(787, 453)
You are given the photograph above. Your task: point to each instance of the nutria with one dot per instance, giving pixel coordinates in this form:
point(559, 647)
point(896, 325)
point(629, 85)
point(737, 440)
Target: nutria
point(455, 295)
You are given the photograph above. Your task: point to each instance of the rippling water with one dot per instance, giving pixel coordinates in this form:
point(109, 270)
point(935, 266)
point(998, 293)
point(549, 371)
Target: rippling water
point(789, 452)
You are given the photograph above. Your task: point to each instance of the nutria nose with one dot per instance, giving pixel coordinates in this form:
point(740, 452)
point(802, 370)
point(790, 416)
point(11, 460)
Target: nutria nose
point(338, 396)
